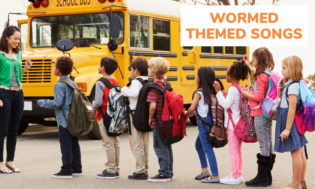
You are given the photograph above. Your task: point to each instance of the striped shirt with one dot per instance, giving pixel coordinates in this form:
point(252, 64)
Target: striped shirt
point(157, 97)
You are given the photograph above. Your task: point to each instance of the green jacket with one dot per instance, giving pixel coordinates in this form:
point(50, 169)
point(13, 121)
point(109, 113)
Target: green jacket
point(7, 67)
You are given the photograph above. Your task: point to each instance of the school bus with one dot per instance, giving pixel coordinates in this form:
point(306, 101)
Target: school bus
point(146, 28)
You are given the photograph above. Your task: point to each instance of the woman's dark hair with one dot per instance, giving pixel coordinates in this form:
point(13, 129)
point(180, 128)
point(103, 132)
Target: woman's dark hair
point(141, 65)
point(7, 32)
point(265, 60)
point(64, 64)
point(239, 70)
point(206, 79)
point(110, 64)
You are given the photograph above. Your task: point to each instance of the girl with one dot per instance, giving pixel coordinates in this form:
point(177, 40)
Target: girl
point(237, 71)
point(287, 137)
point(262, 61)
point(201, 103)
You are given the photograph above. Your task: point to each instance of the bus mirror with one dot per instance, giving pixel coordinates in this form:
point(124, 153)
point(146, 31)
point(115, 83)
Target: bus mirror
point(112, 45)
point(64, 45)
point(114, 26)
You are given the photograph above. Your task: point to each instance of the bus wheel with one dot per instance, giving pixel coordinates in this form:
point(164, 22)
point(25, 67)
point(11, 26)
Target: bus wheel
point(95, 133)
point(193, 120)
point(23, 126)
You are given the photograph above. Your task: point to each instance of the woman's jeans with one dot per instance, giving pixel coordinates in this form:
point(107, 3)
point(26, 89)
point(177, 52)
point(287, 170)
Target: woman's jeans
point(10, 119)
point(204, 148)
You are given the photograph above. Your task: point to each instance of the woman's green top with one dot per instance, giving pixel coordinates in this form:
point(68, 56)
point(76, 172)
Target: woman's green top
point(7, 63)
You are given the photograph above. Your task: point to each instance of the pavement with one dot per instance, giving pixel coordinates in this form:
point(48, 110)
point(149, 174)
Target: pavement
point(38, 155)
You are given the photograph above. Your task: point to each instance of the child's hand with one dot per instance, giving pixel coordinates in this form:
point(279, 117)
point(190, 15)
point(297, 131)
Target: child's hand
point(284, 135)
point(150, 120)
point(1, 104)
point(217, 86)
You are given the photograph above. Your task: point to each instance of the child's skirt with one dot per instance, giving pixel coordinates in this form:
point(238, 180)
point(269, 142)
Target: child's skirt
point(294, 142)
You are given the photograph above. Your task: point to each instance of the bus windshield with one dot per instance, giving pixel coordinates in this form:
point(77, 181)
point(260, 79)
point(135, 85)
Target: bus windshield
point(82, 29)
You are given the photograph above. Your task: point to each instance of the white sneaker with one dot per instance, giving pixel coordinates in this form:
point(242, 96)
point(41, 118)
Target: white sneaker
point(230, 180)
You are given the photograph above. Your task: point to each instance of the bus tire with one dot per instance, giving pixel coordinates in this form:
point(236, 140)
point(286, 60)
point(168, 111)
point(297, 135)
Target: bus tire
point(23, 126)
point(193, 120)
point(95, 133)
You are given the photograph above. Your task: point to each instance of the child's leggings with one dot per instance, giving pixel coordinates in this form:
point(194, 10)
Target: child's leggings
point(235, 148)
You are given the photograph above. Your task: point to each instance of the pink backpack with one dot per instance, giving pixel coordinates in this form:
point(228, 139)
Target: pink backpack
point(244, 128)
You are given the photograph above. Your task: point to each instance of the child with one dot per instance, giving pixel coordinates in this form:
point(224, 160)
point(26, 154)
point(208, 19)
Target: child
point(262, 61)
point(158, 67)
point(286, 135)
point(70, 148)
point(111, 143)
point(201, 103)
point(139, 141)
point(237, 71)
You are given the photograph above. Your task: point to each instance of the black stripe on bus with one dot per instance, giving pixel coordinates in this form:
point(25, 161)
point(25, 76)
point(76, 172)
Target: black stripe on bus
point(172, 78)
point(154, 54)
point(219, 68)
point(190, 77)
point(221, 77)
point(188, 67)
point(173, 68)
point(185, 53)
point(203, 55)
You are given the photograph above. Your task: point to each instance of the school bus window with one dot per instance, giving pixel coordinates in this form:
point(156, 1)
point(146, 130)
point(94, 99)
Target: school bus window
point(139, 31)
point(206, 49)
point(161, 35)
point(218, 50)
point(81, 28)
point(229, 50)
point(188, 47)
point(241, 50)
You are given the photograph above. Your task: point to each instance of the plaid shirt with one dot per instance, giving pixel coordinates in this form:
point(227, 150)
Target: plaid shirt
point(157, 97)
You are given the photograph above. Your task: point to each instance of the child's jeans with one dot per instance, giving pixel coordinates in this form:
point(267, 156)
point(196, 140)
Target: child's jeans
point(204, 148)
point(235, 148)
point(164, 154)
point(70, 151)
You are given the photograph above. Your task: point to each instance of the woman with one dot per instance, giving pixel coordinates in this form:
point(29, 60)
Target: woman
point(11, 94)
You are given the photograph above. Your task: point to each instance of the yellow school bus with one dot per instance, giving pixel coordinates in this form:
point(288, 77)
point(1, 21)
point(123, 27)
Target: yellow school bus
point(146, 28)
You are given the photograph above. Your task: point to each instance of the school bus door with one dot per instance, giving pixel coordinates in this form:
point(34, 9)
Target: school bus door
point(23, 25)
point(188, 65)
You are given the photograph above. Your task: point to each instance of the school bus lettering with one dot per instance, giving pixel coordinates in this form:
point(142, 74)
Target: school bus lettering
point(69, 3)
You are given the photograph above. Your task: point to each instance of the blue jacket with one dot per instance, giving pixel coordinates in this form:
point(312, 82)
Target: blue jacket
point(62, 100)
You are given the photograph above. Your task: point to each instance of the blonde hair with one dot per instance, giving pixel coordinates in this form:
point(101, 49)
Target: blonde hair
point(295, 66)
point(159, 66)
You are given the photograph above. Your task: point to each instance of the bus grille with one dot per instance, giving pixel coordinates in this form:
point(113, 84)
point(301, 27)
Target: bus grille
point(40, 72)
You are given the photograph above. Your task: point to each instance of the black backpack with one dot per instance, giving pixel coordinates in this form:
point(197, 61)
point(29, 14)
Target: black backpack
point(140, 117)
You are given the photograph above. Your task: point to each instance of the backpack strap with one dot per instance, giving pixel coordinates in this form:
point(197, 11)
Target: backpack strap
point(287, 89)
point(230, 110)
point(106, 82)
point(71, 86)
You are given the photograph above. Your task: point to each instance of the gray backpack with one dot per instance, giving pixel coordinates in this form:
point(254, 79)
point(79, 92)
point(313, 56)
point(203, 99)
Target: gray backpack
point(81, 116)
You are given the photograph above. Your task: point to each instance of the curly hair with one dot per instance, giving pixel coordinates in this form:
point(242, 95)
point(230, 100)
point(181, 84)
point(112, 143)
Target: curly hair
point(159, 66)
point(239, 70)
point(265, 60)
point(64, 64)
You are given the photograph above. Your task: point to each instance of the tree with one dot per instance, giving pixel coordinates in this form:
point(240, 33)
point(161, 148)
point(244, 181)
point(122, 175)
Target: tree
point(311, 78)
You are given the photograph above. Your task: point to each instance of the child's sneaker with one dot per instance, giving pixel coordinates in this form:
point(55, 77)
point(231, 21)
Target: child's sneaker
point(138, 176)
point(107, 175)
point(160, 178)
point(231, 180)
point(61, 175)
point(202, 175)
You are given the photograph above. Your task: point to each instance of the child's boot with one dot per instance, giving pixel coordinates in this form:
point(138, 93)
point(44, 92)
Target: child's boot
point(271, 163)
point(261, 178)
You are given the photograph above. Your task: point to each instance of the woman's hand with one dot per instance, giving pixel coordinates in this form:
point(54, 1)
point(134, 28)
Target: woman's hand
point(284, 135)
point(1, 104)
point(217, 86)
point(28, 65)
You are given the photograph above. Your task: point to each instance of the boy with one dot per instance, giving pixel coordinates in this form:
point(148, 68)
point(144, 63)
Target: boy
point(138, 140)
point(111, 143)
point(158, 67)
point(70, 148)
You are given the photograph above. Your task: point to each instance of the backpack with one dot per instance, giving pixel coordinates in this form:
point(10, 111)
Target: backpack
point(305, 114)
point(244, 129)
point(116, 118)
point(173, 118)
point(81, 115)
point(217, 136)
point(271, 103)
point(140, 117)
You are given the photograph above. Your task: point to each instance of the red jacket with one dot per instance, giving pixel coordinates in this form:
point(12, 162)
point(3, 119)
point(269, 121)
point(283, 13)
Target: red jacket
point(262, 84)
